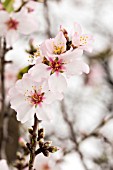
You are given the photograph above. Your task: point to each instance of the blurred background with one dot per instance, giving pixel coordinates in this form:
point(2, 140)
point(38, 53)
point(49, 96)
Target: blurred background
point(83, 123)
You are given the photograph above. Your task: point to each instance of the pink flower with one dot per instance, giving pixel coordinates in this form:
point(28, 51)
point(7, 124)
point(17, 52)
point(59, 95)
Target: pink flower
point(14, 24)
point(58, 69)
point(80, 40)
point(28, 97)
point(54, 46)
point(3, 165)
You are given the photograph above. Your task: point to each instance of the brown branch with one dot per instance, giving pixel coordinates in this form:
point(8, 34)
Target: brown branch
point(33, 141)
point(46, 13)
point(2, 72)
point(73, 135)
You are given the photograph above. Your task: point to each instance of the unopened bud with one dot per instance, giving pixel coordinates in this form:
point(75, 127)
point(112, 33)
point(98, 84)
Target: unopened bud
point(47, 144)
point(41, 142)
point(30, 131)
point(46, 153)
point(41, 133)
point(53, 149)
point(18, 154)
point(22, 142)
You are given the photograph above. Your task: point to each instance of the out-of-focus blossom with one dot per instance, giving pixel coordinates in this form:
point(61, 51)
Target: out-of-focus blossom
point(44, 163)
point(80, 40)
point(11, 71)
point(58, 69)
point(31, 6)
point(1, 6)
point(14, 24)
point(28, 97)
point(95, 77)
point(3, 165)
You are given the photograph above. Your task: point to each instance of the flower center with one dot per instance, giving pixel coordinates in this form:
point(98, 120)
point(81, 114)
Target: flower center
point(83, 40)
point(45, 167)
point(35, 97)
point(56, 65)
point(58, 49)
point(12, 24)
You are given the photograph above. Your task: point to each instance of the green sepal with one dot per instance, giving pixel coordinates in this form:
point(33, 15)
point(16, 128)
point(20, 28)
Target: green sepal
point(23, 71)
point(8, 5)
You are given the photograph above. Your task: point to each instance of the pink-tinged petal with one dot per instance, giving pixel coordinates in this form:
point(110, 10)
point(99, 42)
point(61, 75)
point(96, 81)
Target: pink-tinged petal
point(39, 71)
point(72, 55)
point(16, 101)
point(29, 115)
point(77, 67)
point(86, 68)
point(49, 45)
point(12, 37)
point(4, 17)
point(27, 23)
point(43, 48)
point(12, 92)
point(57, 83)
point(59, 96)
point(25, 112)
point(43, 113)
point(51, 97)
point(23, 85)
point(60, 40)
point(87, 48)
point(76, 40)
point(77, 28)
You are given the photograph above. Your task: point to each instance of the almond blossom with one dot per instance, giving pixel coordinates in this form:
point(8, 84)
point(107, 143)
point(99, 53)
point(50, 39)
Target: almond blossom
point(58, 69)
point(57, 64)
point(80, 40)
point(54, 46)
point(14, 24)
point(28, 97)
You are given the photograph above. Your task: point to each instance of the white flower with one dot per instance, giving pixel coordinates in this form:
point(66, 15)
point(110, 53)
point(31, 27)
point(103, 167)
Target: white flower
point(28, 97)
point(58, 69)
point(14, 24)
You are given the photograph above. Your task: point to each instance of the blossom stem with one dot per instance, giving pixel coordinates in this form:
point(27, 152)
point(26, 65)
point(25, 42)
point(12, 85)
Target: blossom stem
point(2, 72)
point(33, 141)
point(3, 62)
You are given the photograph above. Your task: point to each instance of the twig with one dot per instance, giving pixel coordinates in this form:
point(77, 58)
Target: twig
point(46, 12)
point(2, 72)
point(33, 141)
point(73, 135)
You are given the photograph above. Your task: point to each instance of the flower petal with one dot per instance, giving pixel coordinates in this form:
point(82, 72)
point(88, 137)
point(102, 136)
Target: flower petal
point(39, 71)
point(77, 28)
point(25, 112)
point(57, 83)
point(76, 67)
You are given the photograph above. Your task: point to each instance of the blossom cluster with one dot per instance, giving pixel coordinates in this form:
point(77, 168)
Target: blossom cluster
point(17, 23)
point(56, 60)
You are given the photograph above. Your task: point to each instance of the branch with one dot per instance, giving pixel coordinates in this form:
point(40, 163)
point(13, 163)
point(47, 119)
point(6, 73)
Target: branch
point(33, 141)
point(73, 135)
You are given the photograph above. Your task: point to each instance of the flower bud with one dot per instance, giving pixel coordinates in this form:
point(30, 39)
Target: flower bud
point(41, 133)
point(41, 142)
point(47, 144)
point(46, 153)
point(53, 149)
point(30, 131)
